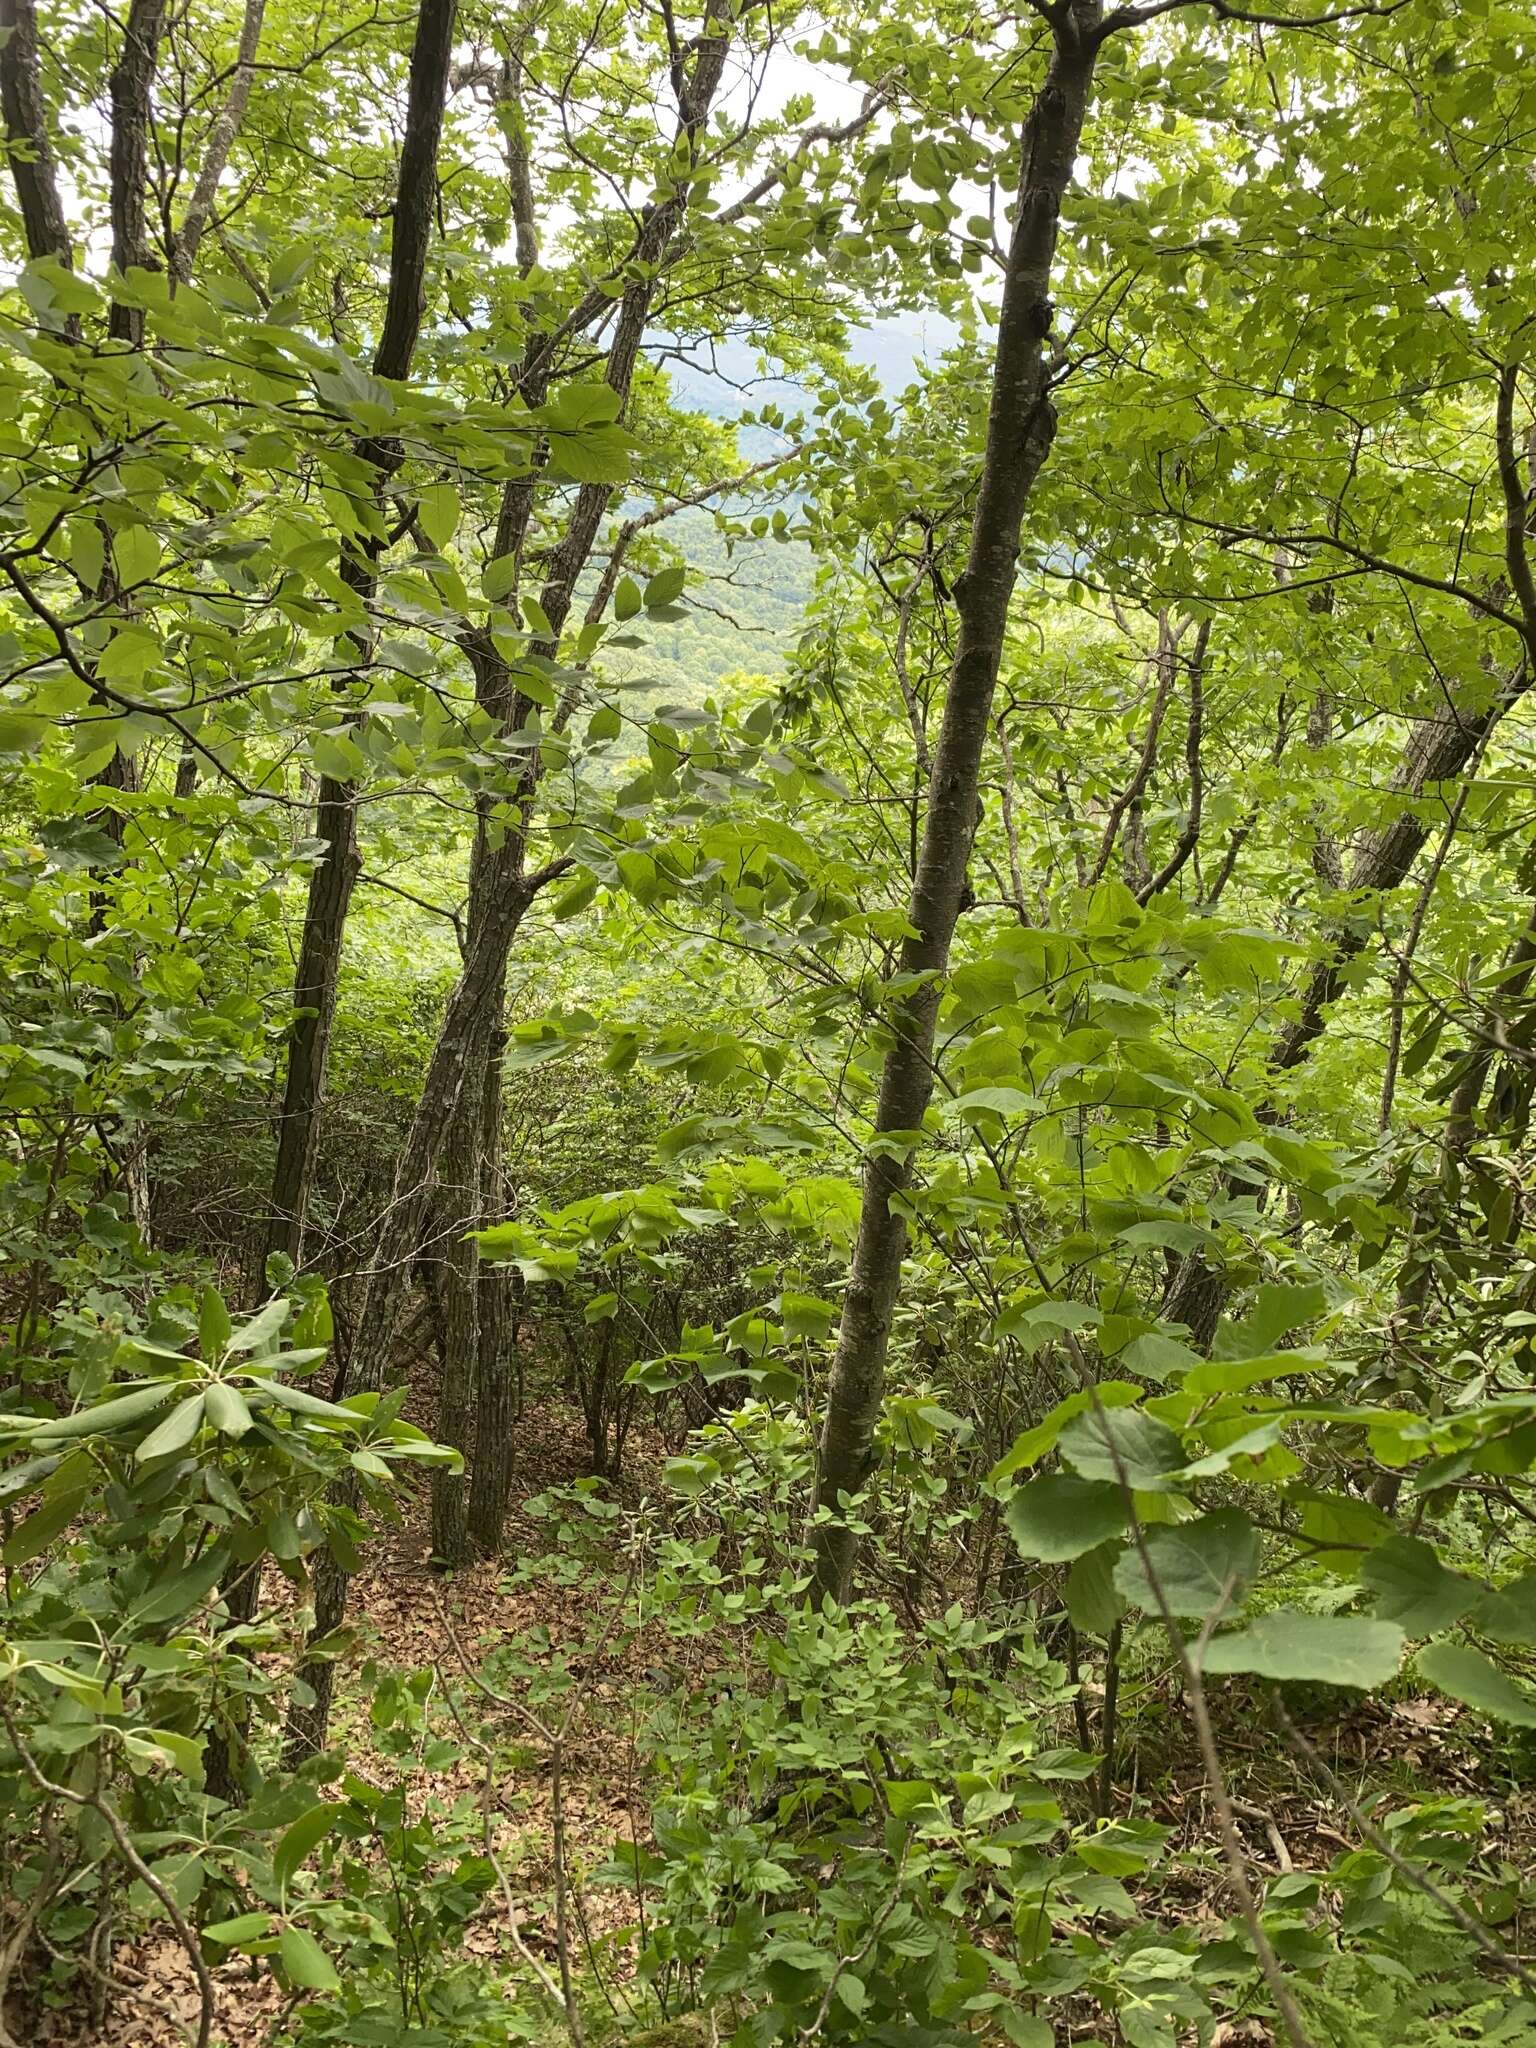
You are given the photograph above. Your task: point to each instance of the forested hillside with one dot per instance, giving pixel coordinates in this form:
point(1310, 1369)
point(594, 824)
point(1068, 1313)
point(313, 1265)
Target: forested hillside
point(768, 914)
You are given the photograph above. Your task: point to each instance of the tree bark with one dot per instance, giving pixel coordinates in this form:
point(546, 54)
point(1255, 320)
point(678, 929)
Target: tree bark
point(335, 875)
point(1020, 428)
point(33, 170)
point(457, 1205)
point(495, 1365)
point(133, 78)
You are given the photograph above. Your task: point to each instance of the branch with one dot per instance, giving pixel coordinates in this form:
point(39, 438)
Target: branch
point(1189, 838)
point(98, 1804)
point(1499, 1957)
point(879, 96)
point(1517, 508)
point(1137, 17)
point(1143, 774)
point(221, 136)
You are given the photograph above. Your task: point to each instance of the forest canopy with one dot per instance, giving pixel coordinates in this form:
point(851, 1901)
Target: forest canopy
point(768, 914)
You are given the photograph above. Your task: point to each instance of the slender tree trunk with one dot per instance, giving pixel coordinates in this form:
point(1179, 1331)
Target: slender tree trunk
point(495, 1363)
point(1440, 750)
point(1019, 432)
point(315, 986)
point(457, 1204)
point(335, 875)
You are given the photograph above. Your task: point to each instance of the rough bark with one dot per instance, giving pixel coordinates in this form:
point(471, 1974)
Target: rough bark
point(133, 78)
point(26, 133)
point(335, 875)
point(1020, 427)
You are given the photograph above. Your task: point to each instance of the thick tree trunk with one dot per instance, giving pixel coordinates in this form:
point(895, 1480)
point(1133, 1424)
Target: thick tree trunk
point(26, 132)
point(133, 77)
point(1019, 433)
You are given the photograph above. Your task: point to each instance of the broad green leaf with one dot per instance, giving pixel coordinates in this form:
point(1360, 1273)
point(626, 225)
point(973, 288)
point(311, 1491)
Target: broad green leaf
point(175, 1433)
point(213, 1324)
point(306, 1961)
point(1056, 1517)
point(1203, 1567)
point(1414, 1589)
point(1124, 1445)
point(305, 1834)
point(1508, 1613)
point(437, 512)
point(107, 1415)
point(1094, 1603)
point(1467, 1675)
point(259, 1333)
point(226, 1408)
point(1328, 1649)
point(665, 587)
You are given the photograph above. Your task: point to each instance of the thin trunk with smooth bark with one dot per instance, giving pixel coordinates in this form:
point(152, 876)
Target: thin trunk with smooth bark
point(334, 878)
point(1020, 428)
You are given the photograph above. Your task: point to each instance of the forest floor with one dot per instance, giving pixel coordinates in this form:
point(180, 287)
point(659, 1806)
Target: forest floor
point(411, 1618)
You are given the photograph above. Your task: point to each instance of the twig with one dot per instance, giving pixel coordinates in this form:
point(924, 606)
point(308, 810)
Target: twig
point(130, 1856)
point(1494, 1951)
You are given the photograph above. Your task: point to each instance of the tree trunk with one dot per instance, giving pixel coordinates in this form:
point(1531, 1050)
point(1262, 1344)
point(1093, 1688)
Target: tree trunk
point(1019, 432)
point(133, 77)
point(495, 1365)
point(1440, 750)
point(315, 985)
point(457, 1203)
point(334, 878)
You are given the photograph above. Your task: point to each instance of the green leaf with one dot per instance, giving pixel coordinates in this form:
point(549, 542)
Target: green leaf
point(32, 1537)
point(213, 1324)
point(1508, 1613)
point(1057, 1517)
point(135, 555)
point(1094, 1604)
point(1202, 1567)
point(665, 587)
point(1467, 1675)
point(437, 513)
point(260, 1333)
point(1125, 1445)
point(906, 1796)
point(178, 1594)
point(107, 1415)
point(1329, 1649)
point(306, 1833)
point(226, 1409)
point(626, 599)
point(498, 576)
point(175, 1433)
point(306, 1962)
point(243, 1928)
point(1414, 1589)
